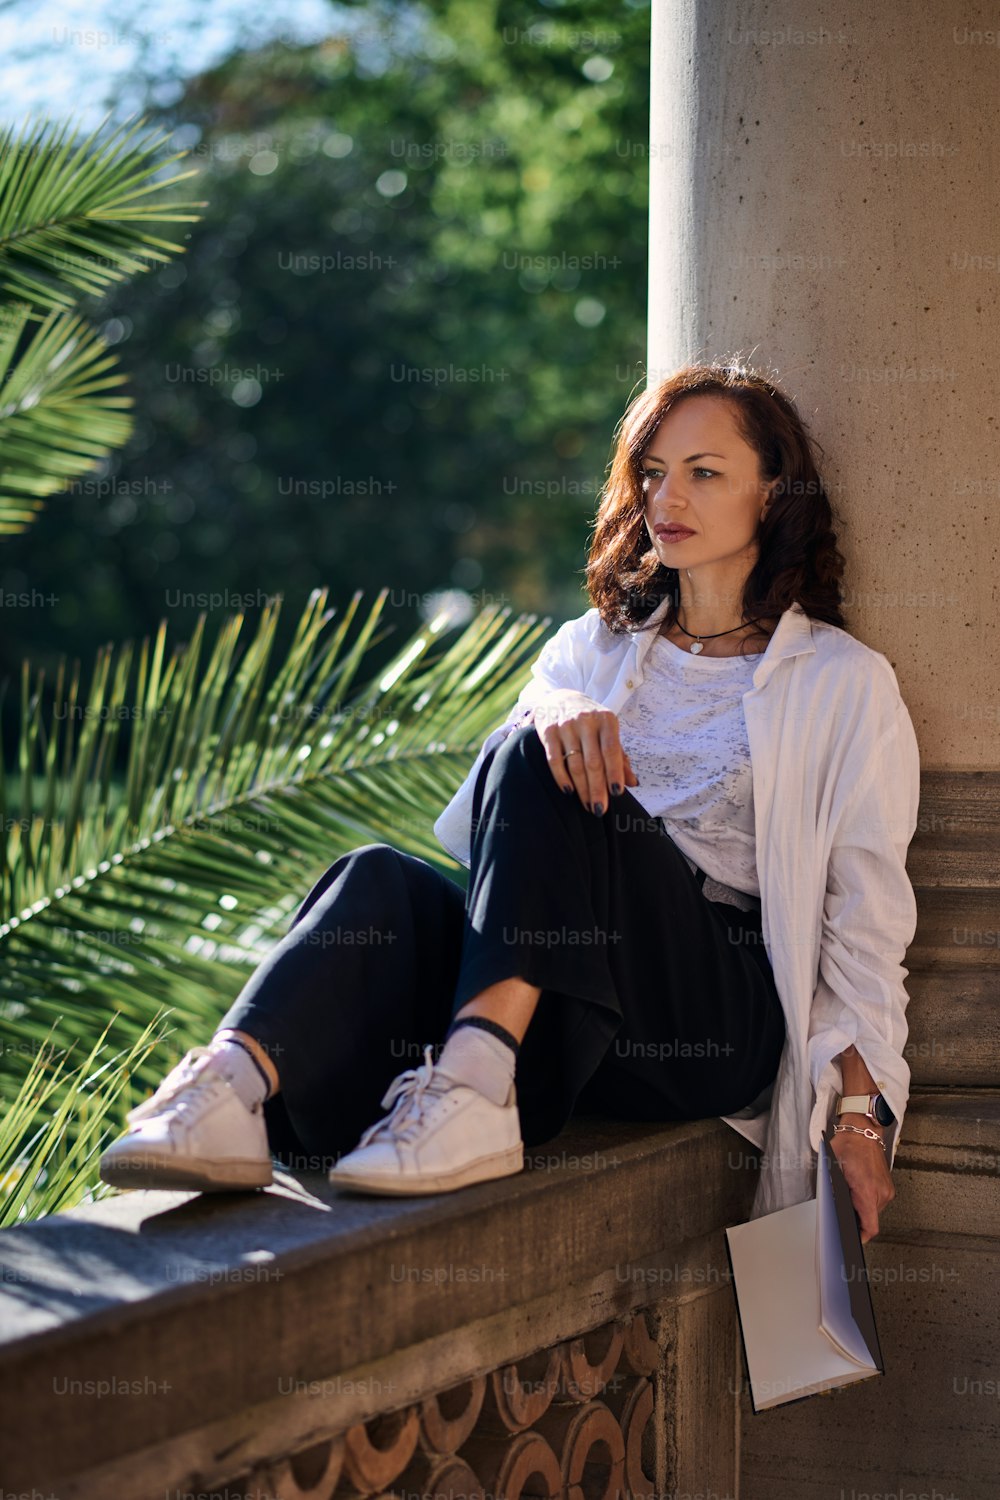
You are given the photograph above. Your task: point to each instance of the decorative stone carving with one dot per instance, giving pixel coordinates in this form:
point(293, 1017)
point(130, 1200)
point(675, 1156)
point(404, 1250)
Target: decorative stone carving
point(447, 1419)
point(589, 1361)
point(521, 1392)
point(376, 1451)
point(571, 1421)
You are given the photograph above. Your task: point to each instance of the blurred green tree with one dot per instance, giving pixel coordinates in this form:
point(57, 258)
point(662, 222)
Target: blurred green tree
point(400, 340)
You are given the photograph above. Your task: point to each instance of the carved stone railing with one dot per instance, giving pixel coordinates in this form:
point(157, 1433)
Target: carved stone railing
point(567, 1331)
point(575, 1419)
point(570, 1331)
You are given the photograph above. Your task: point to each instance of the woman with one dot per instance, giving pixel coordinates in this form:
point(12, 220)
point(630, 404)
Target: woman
point(719, 934)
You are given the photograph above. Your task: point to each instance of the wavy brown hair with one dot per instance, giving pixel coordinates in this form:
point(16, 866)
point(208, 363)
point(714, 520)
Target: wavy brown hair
point(798, 556)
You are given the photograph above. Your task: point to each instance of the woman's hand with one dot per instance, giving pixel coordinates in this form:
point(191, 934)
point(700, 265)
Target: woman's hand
point(866, 1171)
point(569, 720)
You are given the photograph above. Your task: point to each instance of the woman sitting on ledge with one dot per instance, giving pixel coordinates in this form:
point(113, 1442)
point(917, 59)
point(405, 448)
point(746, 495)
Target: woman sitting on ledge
point(687, 889)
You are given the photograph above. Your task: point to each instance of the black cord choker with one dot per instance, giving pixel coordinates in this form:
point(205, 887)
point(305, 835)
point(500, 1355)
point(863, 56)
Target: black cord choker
point(698, 639)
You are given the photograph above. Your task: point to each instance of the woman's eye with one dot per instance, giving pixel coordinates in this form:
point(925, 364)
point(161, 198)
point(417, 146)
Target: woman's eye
point(656, 473)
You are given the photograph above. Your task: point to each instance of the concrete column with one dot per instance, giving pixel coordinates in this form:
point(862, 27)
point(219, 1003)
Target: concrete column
point(824, 202)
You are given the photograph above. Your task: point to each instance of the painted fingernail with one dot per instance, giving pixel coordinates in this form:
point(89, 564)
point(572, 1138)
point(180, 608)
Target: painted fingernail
point(569, 790)
point(598, 808)
point(616, 787)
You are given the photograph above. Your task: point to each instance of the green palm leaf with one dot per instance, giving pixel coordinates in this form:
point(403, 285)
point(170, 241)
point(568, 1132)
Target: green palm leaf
point(163, 821)
point(74, 210)
point(60, 1120)
point(58, 417)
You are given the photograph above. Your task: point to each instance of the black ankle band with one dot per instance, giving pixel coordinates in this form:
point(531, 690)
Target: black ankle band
point(486, 1024)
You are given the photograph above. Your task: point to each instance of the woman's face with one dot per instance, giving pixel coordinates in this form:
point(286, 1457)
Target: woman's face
point(702, 475)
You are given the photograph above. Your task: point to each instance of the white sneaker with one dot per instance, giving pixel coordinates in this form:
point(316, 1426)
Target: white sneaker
point(440, 1135)
point(194, 1132)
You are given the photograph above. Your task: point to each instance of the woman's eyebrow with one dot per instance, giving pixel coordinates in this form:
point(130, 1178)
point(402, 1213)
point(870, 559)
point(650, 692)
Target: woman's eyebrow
point(689, 460)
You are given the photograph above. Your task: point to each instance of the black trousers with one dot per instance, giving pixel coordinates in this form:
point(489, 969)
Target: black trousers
point(656, 1003)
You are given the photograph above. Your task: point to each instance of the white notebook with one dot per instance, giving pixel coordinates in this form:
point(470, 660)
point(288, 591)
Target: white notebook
point(802, 1294)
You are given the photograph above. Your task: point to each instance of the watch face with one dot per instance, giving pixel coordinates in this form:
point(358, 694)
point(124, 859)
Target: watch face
point(883, 1114)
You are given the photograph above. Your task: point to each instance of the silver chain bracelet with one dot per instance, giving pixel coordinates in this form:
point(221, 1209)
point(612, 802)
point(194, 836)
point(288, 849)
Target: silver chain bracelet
point(872, 1135)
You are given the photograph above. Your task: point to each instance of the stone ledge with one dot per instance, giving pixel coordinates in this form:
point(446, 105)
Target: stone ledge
point(213, 1314)
point(149, 1290)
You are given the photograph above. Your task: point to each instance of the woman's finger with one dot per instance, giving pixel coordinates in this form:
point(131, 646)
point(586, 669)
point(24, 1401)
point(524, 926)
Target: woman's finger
point(555, 754)
point(615, 759)
point(594, 744)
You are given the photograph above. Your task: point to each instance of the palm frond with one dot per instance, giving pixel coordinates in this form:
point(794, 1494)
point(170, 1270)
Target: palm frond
point(161, 822)
point(74, 210)
point(58, 417)
point(60, 1120)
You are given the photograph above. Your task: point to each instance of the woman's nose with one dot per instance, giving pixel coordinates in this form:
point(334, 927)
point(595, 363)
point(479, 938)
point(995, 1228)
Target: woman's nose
point(666, 488)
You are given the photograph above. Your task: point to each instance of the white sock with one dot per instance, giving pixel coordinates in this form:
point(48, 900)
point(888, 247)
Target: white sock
point(235, 1064)
point(482, 1061)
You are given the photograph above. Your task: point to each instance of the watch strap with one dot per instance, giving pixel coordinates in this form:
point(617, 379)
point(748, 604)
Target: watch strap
point(856, 1104)
point(874, 1106)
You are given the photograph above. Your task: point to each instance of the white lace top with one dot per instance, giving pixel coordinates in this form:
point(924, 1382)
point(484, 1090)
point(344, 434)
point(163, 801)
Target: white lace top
point(685, 734)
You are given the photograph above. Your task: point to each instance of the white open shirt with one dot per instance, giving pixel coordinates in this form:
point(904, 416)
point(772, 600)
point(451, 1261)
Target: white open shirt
point(836, 784)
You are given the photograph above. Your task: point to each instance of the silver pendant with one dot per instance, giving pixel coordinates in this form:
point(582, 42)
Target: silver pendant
point(696, 646)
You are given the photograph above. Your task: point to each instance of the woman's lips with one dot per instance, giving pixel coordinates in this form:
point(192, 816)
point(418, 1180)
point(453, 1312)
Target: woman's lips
point(677, 535)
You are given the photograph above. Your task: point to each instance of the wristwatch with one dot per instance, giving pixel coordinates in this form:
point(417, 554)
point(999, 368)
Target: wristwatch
point(874, 1106)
